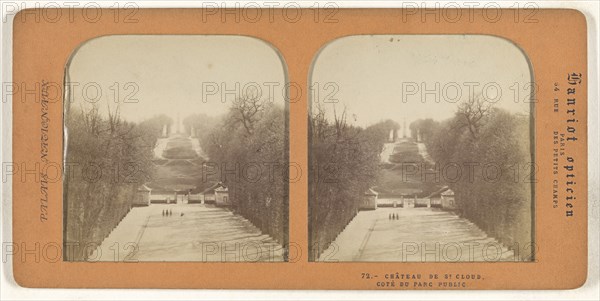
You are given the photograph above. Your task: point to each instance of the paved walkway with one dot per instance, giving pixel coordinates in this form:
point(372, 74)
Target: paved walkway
point(418, 235)
point(161, 144)
point(423, 152)
point(194, 232)
point(388, 150)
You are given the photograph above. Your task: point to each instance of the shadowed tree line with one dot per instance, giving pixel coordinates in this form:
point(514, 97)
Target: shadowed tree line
point(247, 148)
point(343, 164)
point(494, 185)
point(107, 160)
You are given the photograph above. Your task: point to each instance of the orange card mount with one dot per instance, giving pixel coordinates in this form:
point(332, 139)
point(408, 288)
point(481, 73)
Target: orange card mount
point(300, 149)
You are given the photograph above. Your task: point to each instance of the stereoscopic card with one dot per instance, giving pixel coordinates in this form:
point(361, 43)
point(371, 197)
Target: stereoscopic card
point(299, 148)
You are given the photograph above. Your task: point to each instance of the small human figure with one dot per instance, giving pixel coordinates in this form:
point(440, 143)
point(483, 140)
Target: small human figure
point(397, 217)
point(163, 212)
point(170, 212)
point(389, 216)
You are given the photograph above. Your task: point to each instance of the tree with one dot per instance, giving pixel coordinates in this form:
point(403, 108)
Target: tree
point(343, 163)
point(471, 113)
point(425, 128)
point(245, 111)
point(107, 159)
point(492, 148)
point(252, 139)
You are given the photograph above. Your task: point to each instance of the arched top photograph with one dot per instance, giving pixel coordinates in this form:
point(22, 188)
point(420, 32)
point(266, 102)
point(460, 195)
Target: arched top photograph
point(437, 125)
point(161, 128)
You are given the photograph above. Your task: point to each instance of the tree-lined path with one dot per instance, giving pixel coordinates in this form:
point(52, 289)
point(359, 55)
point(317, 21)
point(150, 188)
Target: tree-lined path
point(190, 232)
point(411, 234)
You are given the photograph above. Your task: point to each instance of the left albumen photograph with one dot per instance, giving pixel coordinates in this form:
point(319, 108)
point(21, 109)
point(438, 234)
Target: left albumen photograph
point(176, 149)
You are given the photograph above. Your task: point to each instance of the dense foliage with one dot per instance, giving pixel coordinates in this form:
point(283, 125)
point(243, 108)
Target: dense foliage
point(485, 156)
point(343, 163)
point(107, 160)
point(248, 148)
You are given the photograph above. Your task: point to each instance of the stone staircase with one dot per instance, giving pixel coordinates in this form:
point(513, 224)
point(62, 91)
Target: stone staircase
point(194, 232)
point(419, 235)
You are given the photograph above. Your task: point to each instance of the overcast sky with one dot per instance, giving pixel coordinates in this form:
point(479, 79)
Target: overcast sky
point(170, 74)
point(381, 77)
